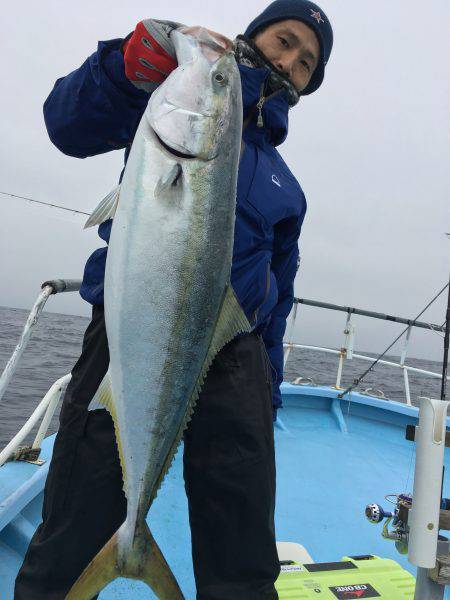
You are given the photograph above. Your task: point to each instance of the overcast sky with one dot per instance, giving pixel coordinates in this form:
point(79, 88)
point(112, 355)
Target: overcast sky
point(370, 150)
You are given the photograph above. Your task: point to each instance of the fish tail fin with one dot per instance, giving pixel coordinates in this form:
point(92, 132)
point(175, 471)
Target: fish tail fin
point(102, 569)
point(155, 571)
point(144, 561)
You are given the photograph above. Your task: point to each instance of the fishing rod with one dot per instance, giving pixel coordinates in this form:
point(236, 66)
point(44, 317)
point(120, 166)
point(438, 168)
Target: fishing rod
point(368, 313)
point(446, 341)
point(405, 523)
point(358, 380)
point(71, 210)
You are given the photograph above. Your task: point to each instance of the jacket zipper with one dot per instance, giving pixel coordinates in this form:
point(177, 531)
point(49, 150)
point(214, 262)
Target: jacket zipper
point(262, 100)
point(266, 293)
point(259, 106)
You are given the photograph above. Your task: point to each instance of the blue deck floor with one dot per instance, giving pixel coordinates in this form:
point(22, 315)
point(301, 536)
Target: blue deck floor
point(325, 478)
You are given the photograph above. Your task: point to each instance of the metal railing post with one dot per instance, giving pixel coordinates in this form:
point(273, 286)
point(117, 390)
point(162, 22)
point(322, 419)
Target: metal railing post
point(287, 349)
point(407, 392)
point(405, 370)
point(343, 352)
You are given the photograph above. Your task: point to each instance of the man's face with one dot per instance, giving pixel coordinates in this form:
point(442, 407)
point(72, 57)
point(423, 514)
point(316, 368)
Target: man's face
point(293, 48)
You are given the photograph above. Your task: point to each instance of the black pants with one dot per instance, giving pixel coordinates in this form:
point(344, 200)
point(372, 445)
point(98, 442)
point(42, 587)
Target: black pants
point(229, 473)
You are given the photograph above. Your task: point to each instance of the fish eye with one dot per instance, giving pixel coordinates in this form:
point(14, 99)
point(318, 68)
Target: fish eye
point(220, 78)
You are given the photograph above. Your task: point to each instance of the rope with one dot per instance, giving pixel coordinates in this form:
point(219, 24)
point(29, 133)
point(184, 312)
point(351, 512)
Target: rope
point(358, 380)
point(72, 210)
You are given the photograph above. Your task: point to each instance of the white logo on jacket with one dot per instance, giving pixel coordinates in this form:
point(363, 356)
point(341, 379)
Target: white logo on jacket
point(276, 181)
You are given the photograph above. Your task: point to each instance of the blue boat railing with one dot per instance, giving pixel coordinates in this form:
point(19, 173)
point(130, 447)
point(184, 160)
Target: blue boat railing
point(47, 406)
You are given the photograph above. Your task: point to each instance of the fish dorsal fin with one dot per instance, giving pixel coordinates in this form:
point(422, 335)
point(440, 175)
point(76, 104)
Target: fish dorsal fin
point(230, 322)
point(105, 210)
point(104, 398)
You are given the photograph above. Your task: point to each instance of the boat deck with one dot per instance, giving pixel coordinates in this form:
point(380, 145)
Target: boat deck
point(332, 460)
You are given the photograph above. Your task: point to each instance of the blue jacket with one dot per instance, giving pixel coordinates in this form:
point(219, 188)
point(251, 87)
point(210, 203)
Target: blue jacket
point(95, 109)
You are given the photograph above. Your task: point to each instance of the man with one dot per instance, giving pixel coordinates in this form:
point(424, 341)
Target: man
point(229, 466)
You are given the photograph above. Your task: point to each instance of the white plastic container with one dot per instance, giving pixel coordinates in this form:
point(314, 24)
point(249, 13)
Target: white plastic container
point(424, 516)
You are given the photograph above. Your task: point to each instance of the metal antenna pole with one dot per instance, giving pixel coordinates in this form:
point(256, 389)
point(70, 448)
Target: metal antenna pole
point(446, 341)
point(425, 587)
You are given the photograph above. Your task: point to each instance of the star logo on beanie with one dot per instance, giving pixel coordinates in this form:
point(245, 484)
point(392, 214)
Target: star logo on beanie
point(317, 16)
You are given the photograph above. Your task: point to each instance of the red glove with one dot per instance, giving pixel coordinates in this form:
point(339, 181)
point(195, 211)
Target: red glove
point(149, 54)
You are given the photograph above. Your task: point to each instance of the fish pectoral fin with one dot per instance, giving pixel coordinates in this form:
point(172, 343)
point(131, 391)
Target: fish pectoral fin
point(166, 181)
point(104, 398)
point(144, 561)
point(105, 210)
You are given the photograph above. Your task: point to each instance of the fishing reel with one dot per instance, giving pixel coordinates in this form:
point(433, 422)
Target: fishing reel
point(398, 519)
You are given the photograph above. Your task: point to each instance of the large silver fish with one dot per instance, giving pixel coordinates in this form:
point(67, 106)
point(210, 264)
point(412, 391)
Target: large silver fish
point(169, 306)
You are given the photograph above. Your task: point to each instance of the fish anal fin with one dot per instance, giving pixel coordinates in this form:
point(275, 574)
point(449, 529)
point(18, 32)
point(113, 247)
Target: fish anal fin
point(144, 561)
point(104, 398)
point(105, 210)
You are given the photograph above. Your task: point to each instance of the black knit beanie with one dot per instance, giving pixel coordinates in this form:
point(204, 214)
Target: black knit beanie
point(310, 14)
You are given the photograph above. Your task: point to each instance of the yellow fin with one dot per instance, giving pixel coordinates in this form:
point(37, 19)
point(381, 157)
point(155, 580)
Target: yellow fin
point(103, 398)
point(143, 561)
point(230, 321)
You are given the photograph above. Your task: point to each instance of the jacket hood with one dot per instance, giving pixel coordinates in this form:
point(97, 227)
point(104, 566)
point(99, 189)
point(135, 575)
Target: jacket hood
point(275, 108)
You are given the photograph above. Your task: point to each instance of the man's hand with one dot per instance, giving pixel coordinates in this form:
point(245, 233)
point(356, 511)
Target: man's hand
point(149, 53)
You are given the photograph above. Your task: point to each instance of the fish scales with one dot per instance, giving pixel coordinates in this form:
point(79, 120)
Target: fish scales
point(172, 328)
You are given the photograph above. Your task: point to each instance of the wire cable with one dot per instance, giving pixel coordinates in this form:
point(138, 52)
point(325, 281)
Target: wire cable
point(72, 210)
point(358, 380)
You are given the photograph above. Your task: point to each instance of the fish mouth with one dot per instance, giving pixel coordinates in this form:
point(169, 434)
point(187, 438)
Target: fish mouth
point(178, 154)
point(171, 150)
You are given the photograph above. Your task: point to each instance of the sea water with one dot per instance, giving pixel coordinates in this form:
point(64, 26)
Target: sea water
point(56, 344)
